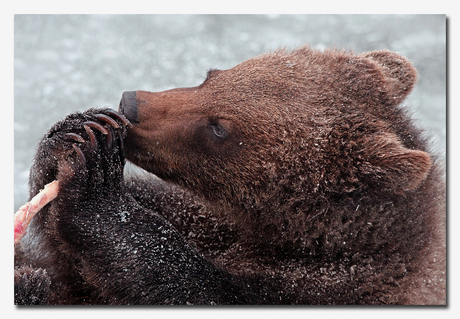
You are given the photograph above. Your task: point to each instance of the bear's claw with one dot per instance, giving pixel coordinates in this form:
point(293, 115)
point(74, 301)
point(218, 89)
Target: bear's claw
point(96, 126)
point(110, 138)
point(111, 131)
point(80, 154)
point(92, 137)
point(74, 137)
point(119, 116)
point(107, 119)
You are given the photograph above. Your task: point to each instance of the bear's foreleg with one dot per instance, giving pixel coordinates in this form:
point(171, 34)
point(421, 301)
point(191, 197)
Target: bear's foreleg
point(124, 253)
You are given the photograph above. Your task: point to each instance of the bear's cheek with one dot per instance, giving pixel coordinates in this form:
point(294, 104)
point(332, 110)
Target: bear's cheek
point(154, 150)
point(173, 148)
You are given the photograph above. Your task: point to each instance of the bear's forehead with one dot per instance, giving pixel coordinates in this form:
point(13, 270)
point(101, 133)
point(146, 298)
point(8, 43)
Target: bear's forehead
point(284, 74)
point(305, 82)
point(256, 86)
point(304, 59)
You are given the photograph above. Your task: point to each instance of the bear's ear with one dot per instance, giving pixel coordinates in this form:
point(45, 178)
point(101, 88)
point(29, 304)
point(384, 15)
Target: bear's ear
point(389, 165)
point(400, 75)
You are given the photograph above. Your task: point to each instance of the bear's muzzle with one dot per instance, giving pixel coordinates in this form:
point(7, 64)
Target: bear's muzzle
point(128, 106)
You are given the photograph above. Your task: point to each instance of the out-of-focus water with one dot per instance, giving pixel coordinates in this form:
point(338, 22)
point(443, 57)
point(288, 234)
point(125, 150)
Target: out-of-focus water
point(65, 63)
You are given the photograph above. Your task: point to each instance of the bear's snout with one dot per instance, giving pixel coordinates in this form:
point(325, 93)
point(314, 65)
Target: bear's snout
point(128, 106)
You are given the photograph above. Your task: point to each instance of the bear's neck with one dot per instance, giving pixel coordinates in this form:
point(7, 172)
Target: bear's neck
point(342, 225)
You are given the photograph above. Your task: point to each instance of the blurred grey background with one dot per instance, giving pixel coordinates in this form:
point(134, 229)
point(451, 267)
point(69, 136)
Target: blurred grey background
point(65, 63)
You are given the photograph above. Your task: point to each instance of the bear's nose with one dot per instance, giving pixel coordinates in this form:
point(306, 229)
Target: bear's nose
point(128, 106)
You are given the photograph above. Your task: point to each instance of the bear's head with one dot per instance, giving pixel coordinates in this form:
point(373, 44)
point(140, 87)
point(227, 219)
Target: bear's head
point(283, 129)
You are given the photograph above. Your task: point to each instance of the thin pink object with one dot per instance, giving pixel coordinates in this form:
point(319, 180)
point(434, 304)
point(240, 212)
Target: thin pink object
point(27, 211)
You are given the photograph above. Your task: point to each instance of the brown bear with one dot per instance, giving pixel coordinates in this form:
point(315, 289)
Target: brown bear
point(295, 177)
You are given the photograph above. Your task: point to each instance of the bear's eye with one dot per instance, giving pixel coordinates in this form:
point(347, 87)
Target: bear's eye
point(219, 131)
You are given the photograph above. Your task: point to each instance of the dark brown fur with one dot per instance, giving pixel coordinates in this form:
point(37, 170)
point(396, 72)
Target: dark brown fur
point(321, 166)
point(316, 189)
